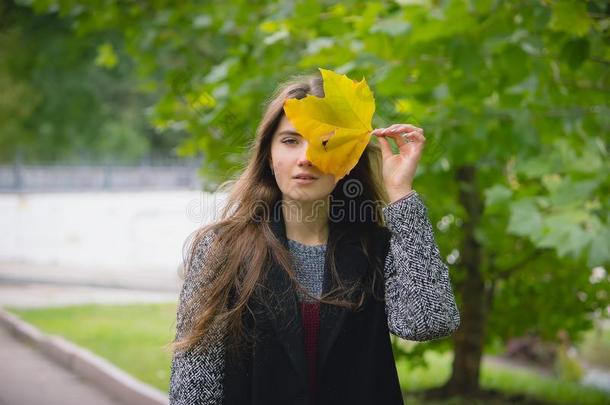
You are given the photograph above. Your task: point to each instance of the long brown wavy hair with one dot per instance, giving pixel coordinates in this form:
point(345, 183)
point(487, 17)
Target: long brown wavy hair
point(244, 244)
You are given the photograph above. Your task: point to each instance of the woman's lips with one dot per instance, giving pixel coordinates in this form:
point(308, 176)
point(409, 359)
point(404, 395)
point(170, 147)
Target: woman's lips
point(304, 180)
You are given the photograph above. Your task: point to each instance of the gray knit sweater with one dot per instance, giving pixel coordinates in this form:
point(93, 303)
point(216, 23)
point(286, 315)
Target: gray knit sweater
point(309, 267)
point(419, 300)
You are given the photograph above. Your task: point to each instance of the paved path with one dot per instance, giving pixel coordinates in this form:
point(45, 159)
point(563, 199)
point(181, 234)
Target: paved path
point(13, 271)
point(30, 378)
point(33, 295)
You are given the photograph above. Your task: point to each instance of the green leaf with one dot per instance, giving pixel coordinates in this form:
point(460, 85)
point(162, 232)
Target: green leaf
point(525, 219)
point(599, 254)
point(221, 71)
point(575, 52)
point(533, 167)
point(106, 56)
point(563, 232)
point(570, 192)
point(497, 194)
point(529, 85)
point(570, 16)
point(392, 26)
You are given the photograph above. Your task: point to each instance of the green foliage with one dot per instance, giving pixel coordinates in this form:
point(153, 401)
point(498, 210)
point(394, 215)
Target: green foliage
point(595, 348)
point(504, 378)
point(563, 206)
point(106, 56)
point(64, 97)
point(568, 367)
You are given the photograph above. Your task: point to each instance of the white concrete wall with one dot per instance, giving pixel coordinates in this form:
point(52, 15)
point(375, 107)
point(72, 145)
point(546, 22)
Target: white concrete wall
point(95, 231)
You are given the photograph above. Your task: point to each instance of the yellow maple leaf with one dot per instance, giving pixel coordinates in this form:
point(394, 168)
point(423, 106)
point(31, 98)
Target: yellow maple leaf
point(338, 126)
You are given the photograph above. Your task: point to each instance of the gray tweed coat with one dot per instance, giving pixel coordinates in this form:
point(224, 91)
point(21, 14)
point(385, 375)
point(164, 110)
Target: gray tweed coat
point(419, 303)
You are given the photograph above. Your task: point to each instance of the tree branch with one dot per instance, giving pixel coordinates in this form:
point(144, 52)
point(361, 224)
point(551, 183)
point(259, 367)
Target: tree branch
point(600, 60)
point(509, 271)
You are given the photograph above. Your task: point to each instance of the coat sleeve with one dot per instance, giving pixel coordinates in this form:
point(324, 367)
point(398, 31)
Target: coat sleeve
point(196, 375)
point(419, 300)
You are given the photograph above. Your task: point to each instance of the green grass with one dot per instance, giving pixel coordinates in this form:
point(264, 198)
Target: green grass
point(132, 337)
point(129, 336)
point(506, 379)
point(595, 347)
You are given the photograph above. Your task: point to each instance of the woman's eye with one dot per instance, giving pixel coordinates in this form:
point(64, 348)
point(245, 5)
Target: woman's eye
point(289, 140)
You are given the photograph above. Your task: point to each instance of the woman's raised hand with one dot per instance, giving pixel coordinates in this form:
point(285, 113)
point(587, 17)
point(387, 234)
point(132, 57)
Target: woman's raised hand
point(399, 169)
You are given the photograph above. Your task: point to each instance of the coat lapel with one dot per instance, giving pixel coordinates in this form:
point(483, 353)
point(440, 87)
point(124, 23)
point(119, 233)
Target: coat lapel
point(351, 264)
point(285, 314)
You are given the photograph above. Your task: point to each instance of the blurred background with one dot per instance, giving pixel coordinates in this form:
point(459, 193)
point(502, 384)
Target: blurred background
point(119, 119)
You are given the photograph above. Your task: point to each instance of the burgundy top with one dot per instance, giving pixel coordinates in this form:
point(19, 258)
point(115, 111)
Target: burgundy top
point(311, 326)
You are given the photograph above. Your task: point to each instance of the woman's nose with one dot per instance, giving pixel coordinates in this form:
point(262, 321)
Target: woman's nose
point(303, 161)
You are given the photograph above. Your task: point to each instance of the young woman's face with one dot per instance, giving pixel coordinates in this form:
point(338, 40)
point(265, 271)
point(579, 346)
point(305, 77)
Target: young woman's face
point(288, 161)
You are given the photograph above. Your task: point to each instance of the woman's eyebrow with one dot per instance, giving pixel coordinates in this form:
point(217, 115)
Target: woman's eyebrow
point(289, 132)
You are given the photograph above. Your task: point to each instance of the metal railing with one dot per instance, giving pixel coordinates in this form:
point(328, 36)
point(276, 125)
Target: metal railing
point(165, 174)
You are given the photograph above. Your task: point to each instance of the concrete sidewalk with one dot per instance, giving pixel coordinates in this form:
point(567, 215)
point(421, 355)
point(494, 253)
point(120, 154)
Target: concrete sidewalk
point(30, 375)
point(31, 378)
point(15, 271)
point(36, 295)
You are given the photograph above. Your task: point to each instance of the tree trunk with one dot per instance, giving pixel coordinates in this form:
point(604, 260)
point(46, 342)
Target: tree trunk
point(469, 338)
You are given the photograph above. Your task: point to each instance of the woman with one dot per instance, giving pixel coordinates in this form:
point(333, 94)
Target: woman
point(290, 297)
